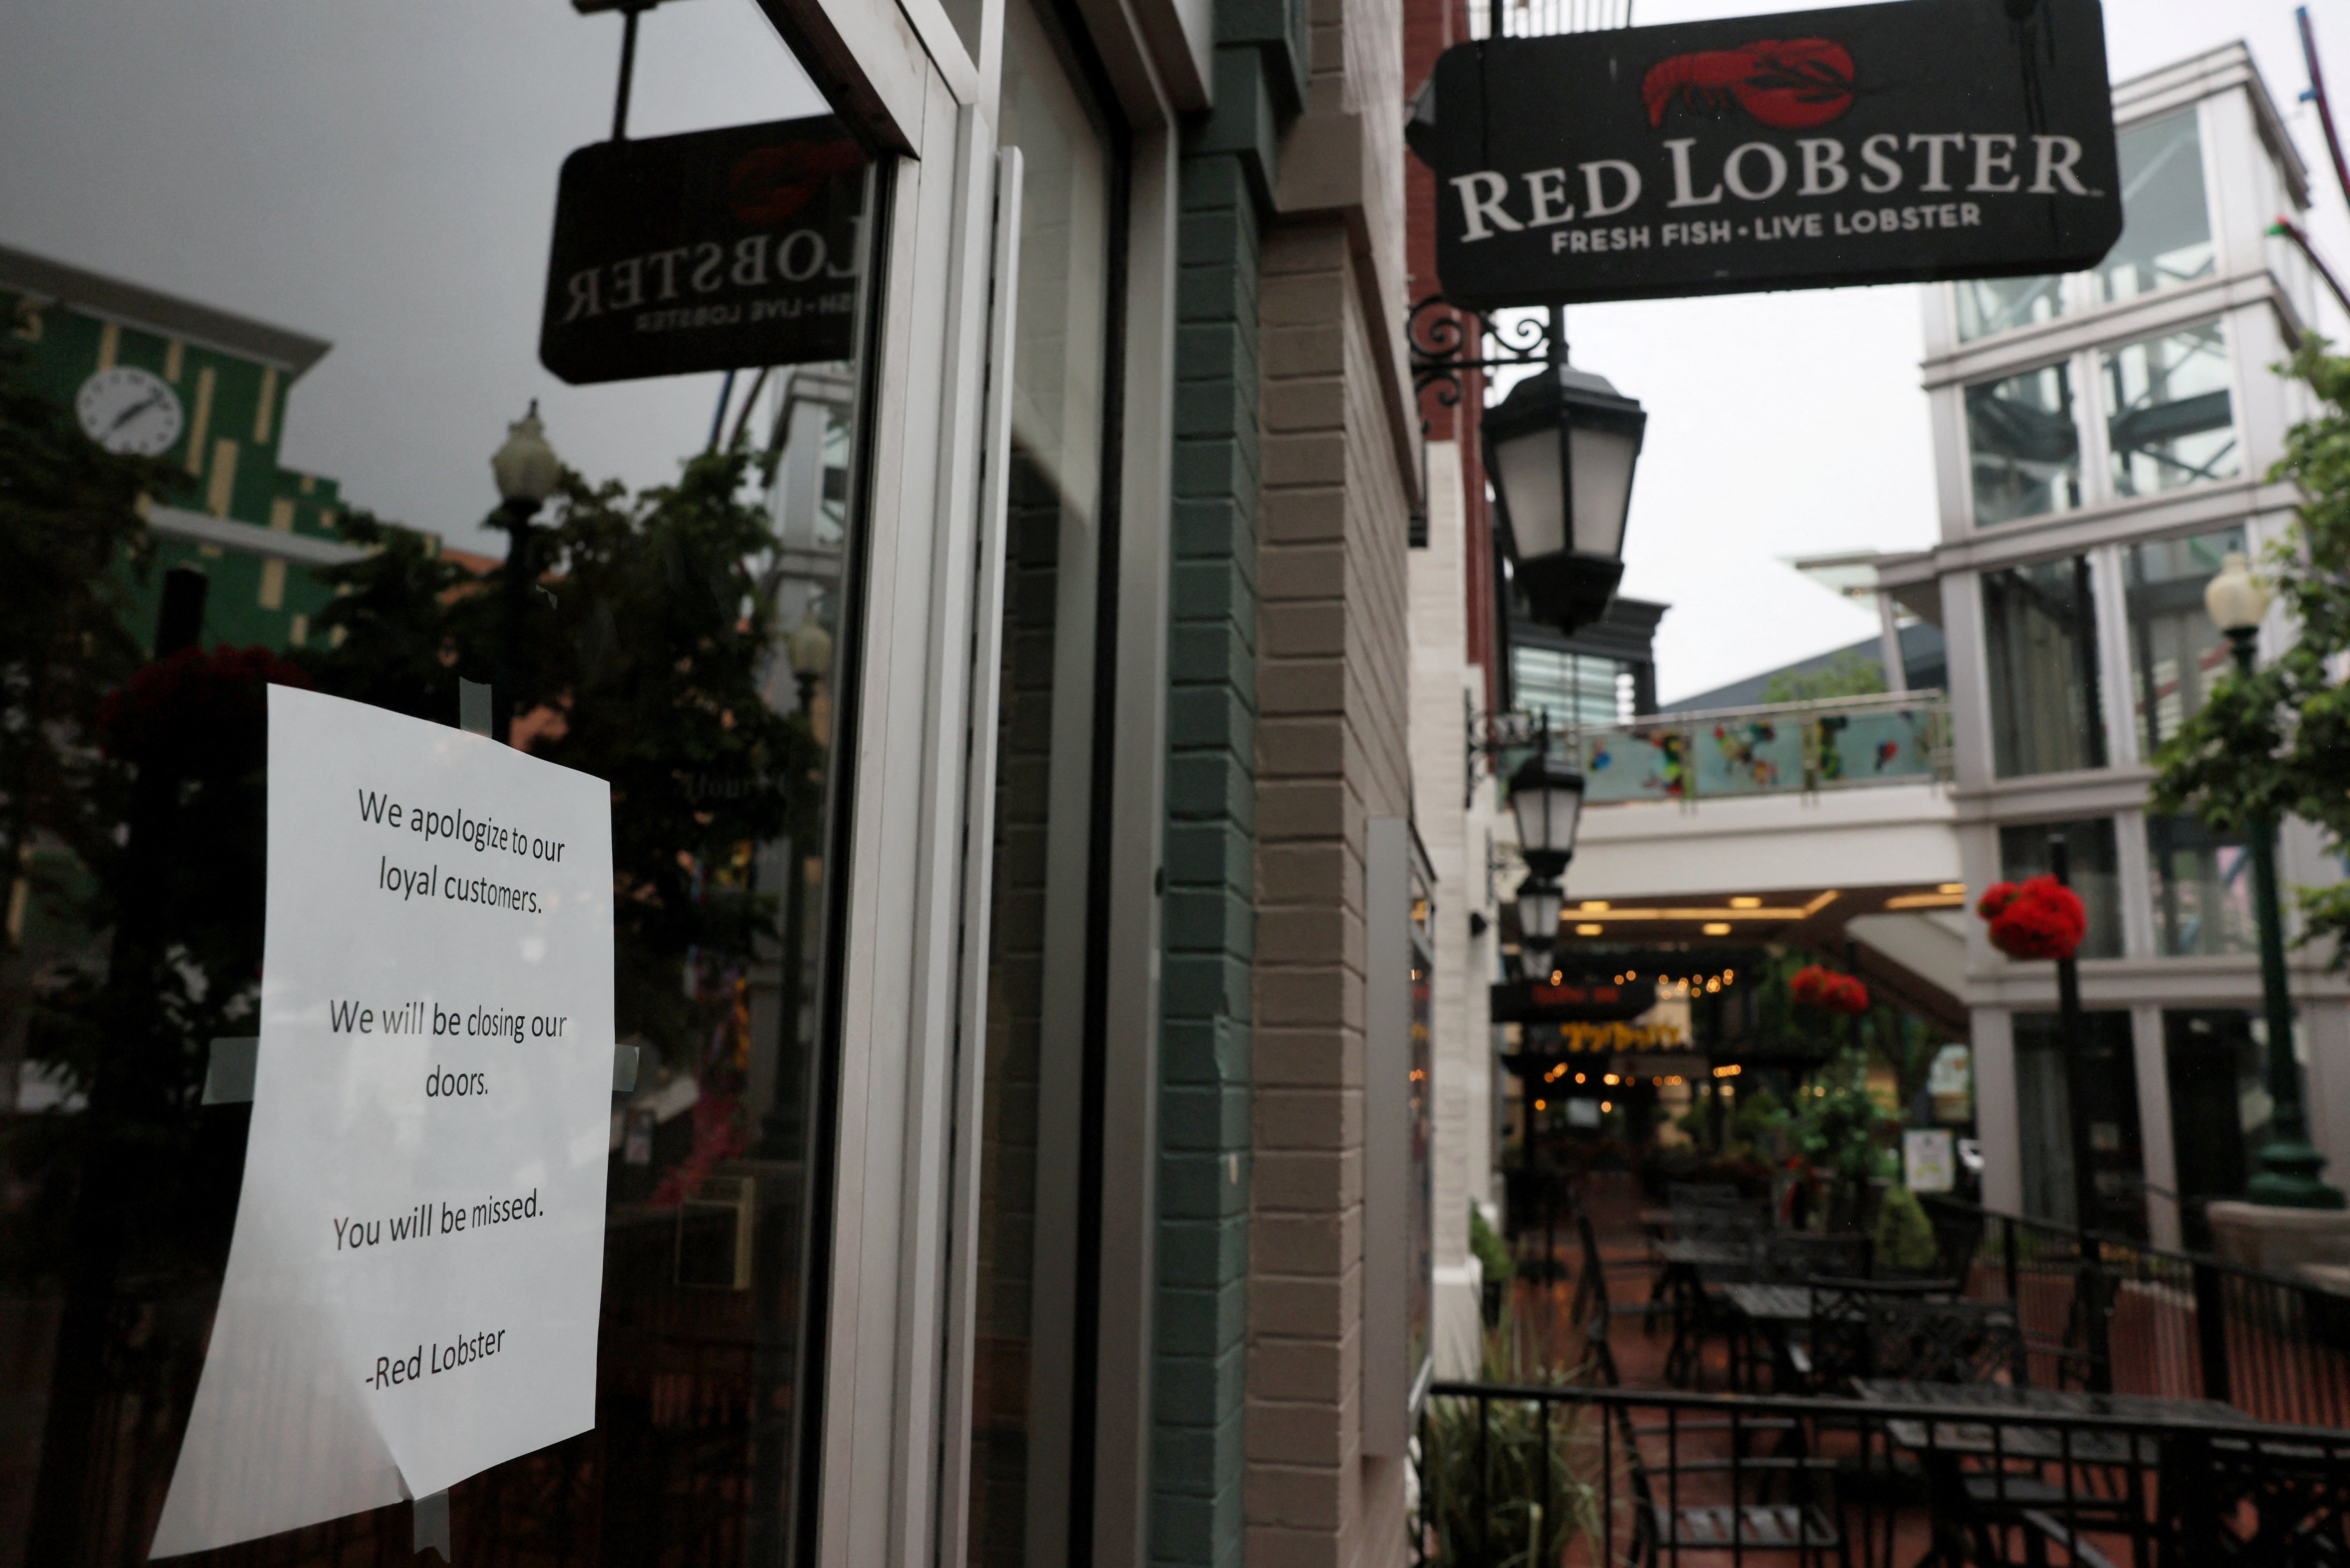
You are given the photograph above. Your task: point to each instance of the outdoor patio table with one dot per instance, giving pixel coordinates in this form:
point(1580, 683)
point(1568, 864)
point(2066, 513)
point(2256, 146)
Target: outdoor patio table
point(1767, 1303)
point(1679, 1284)
point(2038, 1442)
point(1696, 1254)
point(2211, 1456)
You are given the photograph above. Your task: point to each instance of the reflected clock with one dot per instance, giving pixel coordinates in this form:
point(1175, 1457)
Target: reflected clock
point(127, 409)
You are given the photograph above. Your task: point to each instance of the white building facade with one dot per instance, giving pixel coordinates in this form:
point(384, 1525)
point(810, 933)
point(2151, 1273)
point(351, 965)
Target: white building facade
point(2101, 441)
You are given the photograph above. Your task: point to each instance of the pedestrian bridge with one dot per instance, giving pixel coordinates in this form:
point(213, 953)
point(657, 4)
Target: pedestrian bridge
point(1812, 824)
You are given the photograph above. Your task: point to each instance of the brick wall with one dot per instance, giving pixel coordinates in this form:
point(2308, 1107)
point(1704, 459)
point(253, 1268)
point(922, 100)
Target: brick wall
point(1332, 686)
point(1205, 999)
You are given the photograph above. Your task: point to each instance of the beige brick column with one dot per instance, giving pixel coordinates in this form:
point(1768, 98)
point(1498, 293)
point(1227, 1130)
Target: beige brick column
point(1333, 688)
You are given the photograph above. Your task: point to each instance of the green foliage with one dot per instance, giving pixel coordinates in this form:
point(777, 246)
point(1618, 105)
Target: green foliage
point(1538, 1487)
point(2278, 742)
point(1759, 1118)
point(68, 511)
point(645, 630)
point(1849, 674)
point(1905, 1237)
point(1492, 1253)
point(1837, 1132)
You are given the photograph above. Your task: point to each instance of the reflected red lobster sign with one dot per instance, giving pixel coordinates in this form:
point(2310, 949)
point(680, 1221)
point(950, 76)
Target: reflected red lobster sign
point(704, 252)
point(1927, 139)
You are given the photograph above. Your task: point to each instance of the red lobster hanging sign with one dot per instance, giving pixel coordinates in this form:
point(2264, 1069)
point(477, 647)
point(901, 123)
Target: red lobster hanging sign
point(1873, 143)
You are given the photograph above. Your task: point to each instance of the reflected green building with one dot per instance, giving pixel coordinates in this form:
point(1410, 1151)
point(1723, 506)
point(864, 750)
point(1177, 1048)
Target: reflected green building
point(151, 373)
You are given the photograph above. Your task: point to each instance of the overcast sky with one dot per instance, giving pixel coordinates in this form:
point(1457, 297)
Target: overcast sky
point(381, 173)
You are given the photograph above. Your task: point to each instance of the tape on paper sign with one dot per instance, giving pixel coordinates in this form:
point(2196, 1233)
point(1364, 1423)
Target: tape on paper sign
point(415, 1277)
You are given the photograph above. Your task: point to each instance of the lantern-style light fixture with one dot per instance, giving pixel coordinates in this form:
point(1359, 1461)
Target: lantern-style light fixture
point(524, 465)
point(1541, 900)
point(808, 647)
point(1546, 798)
point(1561, 448)
point(2236, 600)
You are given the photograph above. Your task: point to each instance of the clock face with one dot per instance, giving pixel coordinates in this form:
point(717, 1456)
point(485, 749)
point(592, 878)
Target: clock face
point(130, 410)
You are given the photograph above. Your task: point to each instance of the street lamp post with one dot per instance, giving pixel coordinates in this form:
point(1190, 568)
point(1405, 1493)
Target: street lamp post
point(2288, 1175)
point(1546, 799)
point(526, 470)
point(1560, 450)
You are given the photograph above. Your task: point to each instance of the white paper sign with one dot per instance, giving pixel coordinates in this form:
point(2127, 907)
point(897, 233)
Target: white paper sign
point(413, 1286)
point(1926, 1160)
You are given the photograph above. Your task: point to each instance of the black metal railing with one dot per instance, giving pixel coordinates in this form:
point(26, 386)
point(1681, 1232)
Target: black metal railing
point(1519, 1476)
point(2147, 1320)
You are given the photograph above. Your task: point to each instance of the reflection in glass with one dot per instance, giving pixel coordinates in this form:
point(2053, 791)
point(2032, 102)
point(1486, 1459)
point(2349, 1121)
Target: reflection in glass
point(1994, 304)
point(2094, 873)
point(2166, 224)
point(2202, 888)
point(682, 639)
point(2040, 635)
point(1026, 1257)
point(2024, 452)
point(2175, 651)
point(2167, 415)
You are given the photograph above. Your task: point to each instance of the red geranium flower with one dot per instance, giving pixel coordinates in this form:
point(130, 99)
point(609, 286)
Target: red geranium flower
point(2037, 918)
point(1814, 986)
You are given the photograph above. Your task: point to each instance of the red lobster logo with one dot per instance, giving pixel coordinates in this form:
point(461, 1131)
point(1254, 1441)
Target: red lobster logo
point(1788, 84)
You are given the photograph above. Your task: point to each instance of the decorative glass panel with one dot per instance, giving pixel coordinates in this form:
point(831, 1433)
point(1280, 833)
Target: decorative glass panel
point(2167, 416)
point(2175, 651)
point(1749, 757)
point(1647, 763)
point(2166, 223)
point(2024, 450)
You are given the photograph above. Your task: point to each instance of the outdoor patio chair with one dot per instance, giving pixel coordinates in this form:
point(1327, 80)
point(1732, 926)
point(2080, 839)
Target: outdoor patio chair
point(1591, 1283)
point(1808, 1525)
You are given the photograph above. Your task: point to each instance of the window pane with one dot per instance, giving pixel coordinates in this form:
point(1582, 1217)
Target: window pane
point(2202, 888)
point(2167, 415)
point(1031, 1113)
point(1574, 689)
point(2026, 453)
point(2175, 651)
point(343, 323)
point(2166, 224)
point(2094, 874)
point(2040, 633)
point(1990, 305)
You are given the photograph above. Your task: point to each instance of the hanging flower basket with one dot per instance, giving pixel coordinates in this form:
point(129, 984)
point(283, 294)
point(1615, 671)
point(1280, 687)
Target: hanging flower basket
point(1816, 986)
point(2039, 918)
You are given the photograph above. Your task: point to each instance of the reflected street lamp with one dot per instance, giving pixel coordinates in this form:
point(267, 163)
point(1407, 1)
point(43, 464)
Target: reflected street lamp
point(2289, 1166)
point(808, 648)
point(526, 470)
